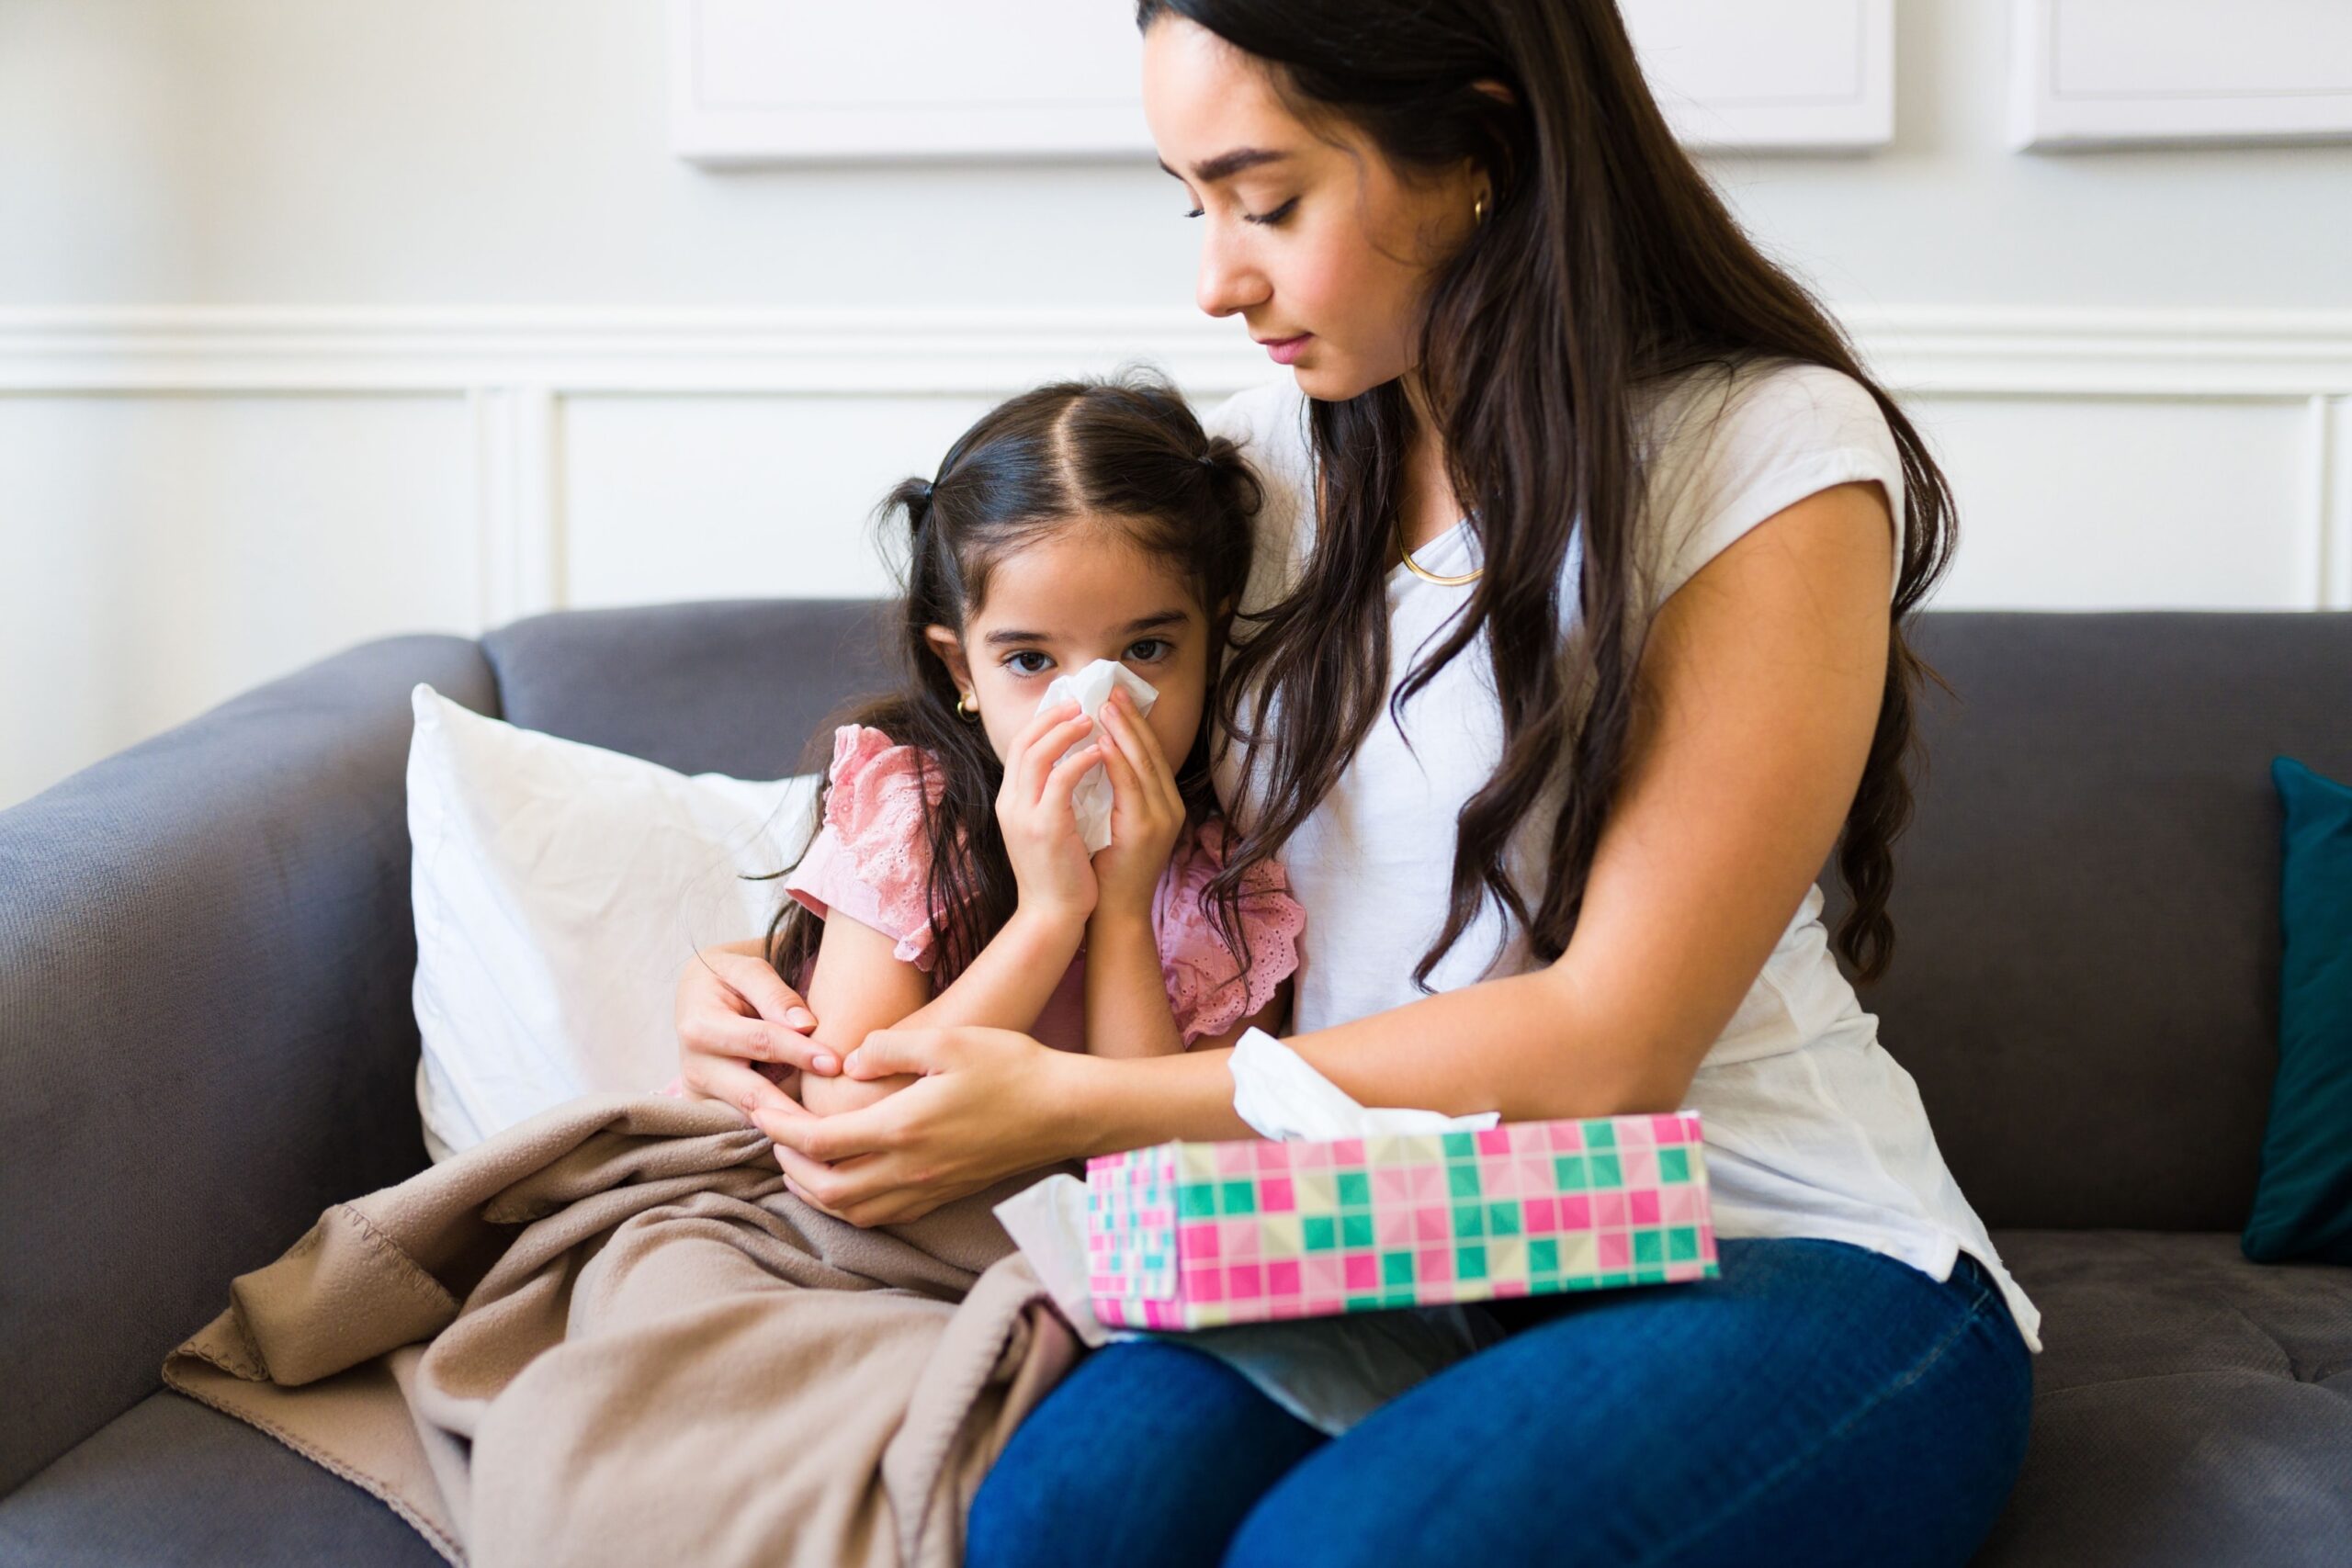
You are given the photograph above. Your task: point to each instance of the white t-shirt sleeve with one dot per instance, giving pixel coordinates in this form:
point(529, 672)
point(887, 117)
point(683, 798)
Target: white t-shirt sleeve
point(1270, 423)
point(1736, 452)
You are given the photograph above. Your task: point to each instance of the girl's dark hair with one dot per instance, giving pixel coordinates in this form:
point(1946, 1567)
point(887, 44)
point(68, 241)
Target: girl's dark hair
point(1606, 266)
point(1124, 454)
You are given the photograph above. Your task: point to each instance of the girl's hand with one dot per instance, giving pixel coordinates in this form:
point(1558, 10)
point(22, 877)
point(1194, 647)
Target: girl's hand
point(984, 1104)
point(732, 1010)
point(1146, 812)
point(1049, 861)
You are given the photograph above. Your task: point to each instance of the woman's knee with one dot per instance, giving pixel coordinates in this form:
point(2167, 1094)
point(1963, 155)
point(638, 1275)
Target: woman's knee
point(1148, 1452)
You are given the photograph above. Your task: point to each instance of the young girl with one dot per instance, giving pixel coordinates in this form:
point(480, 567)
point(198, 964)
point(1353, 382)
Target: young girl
point(948, 882)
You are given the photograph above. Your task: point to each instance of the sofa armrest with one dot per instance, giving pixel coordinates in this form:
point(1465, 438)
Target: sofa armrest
point(206, 1033)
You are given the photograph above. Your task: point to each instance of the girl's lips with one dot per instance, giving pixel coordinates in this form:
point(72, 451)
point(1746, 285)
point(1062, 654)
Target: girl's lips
point(1285, 349)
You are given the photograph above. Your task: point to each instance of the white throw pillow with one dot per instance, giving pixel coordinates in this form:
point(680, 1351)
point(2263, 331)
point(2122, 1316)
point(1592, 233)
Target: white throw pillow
point(559, 891)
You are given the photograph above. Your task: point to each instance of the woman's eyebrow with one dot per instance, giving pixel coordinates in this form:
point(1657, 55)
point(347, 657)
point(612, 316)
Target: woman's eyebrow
point(1226, 164)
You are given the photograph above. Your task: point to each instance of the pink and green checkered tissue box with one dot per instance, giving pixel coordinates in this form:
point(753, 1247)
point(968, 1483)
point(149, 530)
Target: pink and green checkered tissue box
point(1194, 1235)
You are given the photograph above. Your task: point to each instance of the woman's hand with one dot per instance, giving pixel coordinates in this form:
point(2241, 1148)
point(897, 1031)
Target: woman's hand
point(985, 1104)
point(831, 1096)
point(733, 1011)
point(1049, 861)
point(1146, 812)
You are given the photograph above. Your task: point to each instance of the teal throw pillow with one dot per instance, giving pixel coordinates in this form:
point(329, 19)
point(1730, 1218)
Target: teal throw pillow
point(2303, 1206)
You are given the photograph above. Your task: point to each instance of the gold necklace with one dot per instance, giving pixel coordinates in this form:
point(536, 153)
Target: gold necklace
point(1425, 576)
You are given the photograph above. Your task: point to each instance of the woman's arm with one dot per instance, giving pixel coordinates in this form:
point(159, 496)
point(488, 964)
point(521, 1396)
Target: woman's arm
point(1759, 693)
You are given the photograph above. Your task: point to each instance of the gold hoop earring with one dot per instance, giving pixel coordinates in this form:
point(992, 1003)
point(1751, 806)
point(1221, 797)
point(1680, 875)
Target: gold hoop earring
point(1478, 209)
point(965, 708)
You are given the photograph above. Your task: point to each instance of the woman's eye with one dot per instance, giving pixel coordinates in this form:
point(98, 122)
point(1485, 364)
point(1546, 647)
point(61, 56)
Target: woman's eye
point(1020, 668)
point(1149, 650)
point(1276, 216)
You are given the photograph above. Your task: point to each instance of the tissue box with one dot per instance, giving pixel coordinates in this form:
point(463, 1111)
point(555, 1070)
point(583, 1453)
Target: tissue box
point(1195, 1235)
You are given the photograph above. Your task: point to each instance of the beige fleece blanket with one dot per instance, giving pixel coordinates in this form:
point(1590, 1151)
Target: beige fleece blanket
point(609, 1334)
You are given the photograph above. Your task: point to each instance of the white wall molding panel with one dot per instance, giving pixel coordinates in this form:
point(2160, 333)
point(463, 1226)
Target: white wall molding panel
point(2106, 74)
point(756, 81)
point(797, 80)
point(1770, 75)
point(202, 498)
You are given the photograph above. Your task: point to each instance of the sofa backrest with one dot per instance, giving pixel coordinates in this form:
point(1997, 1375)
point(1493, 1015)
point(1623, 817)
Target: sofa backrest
point(2086, 986)
point(2086, 905)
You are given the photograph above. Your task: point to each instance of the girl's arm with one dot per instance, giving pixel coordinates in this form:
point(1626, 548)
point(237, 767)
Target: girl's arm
point(861, 985)
point(1127, 1013)
point(1126, 997)
point(1760, 686)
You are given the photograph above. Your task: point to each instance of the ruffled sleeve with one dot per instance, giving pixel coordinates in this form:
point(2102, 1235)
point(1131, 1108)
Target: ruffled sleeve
point(1205, 990)
point(870, 858)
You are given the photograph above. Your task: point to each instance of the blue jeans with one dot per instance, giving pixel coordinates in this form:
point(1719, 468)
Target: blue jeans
point(1816, 1404)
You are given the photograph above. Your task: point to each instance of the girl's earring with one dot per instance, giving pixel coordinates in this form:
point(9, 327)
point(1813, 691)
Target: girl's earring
point(965, 708)
point(1478, 209)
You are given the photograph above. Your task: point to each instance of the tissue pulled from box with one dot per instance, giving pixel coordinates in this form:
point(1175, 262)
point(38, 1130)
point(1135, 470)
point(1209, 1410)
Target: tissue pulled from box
point(1092, 687)
point(1283, 1098)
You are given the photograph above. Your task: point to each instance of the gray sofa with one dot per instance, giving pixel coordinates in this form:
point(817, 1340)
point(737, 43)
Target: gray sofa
point(205, 1037)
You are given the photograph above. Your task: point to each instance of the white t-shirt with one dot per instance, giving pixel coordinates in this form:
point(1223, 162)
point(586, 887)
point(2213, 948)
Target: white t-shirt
point(1812, 1128)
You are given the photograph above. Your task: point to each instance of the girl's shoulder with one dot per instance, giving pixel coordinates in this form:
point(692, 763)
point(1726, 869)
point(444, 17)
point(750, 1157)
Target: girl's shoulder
point(865, 758)
point(876, 788)
point(870, 858)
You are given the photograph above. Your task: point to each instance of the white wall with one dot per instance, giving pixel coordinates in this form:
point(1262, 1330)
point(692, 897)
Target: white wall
point(323, 319)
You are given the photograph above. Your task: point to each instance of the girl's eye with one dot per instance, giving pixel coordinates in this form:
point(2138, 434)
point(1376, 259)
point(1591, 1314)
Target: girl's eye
point(1021, 668)
point(1158, 649)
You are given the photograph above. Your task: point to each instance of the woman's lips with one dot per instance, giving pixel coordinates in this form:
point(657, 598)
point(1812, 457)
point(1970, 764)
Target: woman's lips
point(1282, 350)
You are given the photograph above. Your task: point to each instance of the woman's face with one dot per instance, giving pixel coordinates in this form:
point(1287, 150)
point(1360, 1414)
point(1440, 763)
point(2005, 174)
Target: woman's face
point(1324, 251)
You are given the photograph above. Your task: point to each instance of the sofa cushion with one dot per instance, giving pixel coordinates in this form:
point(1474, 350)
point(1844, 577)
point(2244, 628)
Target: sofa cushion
point(172, 1481)
point(2190, 1407)
point(2303, 1205)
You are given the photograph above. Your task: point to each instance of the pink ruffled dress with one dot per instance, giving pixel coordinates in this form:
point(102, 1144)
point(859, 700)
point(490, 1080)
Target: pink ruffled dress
point(870, 861)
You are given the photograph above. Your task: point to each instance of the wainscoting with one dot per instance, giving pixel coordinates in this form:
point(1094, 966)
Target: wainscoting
point(194, 500)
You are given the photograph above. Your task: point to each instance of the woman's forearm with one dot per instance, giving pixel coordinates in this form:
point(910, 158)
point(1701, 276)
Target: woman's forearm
point(1519, 1045)
point(1009, 983)
point(1126, 995)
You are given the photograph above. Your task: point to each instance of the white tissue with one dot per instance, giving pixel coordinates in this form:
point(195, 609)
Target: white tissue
point(1092, 687)
point(1276, 1092)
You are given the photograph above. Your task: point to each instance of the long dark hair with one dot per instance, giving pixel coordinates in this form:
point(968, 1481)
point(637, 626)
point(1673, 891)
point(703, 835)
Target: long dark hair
point(1605, 268)
point(1123, 454)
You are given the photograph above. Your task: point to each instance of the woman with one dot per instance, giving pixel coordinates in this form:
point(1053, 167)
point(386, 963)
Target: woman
point(1589, 538)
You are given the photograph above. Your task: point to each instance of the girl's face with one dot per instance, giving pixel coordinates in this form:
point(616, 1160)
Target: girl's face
point(1055, 606)
point(1323, 250)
